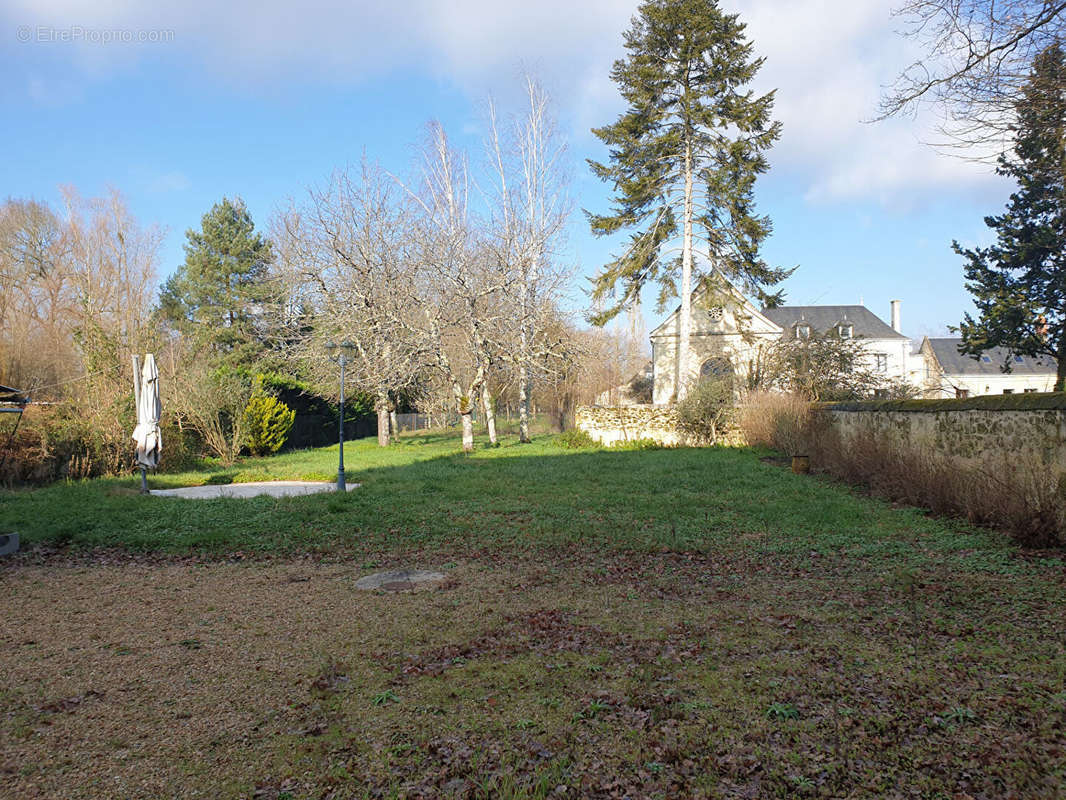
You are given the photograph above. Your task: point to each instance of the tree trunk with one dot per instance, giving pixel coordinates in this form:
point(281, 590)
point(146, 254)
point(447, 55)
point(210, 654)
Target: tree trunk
point(382, 408)
point(1060, 373)
point(464, 404)
point(468, 431)
point(685, 321)
point(393, 422)
point(490, 412)
point(523, 404)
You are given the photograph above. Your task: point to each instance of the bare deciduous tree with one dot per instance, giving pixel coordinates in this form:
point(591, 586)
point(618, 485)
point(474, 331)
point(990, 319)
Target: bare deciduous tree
point(529, 206)
point(75, 292)
point(463, 283)
point(352, 278)
point(976, 56)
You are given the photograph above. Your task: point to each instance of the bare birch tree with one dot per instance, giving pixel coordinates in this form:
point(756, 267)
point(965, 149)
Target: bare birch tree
point(463, 282)
point(529, 208)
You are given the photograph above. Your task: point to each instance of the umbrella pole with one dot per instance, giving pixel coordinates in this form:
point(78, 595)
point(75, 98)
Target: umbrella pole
point(137, 400)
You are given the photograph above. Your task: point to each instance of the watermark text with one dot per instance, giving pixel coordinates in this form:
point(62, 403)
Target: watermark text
point(78, 34)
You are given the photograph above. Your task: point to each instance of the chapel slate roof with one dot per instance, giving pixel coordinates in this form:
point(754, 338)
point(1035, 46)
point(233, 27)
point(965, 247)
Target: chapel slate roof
point(991, 362)
point(823, 318)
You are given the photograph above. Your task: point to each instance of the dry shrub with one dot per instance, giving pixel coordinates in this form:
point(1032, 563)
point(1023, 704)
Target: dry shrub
point(63, 441)
point(211, 401)
point(777, 420)
point(1016, 493)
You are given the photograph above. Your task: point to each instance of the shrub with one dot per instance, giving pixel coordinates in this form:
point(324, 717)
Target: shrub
point(182, 447)
point(267, 421)
point(638, 444)
point(777, 420)
point(212, 401)
point(706, 410)
point(640, 389)
point(575, 439)
point(64, 441)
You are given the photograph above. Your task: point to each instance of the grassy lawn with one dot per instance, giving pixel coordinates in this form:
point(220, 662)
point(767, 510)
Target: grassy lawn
point(654, 623)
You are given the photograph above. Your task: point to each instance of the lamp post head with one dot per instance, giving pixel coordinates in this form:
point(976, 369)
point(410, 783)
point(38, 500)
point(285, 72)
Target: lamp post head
point(342, 352)
point(337, 352)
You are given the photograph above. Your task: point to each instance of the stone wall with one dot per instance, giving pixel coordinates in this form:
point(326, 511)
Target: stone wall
point(972, 434)
point(610, 425)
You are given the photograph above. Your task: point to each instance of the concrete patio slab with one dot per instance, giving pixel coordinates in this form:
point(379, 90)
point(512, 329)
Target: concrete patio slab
point(272, 488)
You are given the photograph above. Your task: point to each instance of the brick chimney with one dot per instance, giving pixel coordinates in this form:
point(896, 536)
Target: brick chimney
point(895, 316)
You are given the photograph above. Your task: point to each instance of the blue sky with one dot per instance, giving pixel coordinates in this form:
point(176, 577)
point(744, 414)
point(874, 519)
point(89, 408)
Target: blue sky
point(263, 100)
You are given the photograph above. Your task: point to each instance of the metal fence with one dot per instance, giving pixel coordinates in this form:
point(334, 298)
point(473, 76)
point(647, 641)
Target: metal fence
point(422, 422)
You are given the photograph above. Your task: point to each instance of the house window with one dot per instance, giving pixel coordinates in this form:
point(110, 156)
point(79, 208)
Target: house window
point(845, 331)
point(803, 331)
point(962, 393)
point(881, 394)
point(1030, 391)
point(986, 359)
point(881, 362)
point(1008, 391)
point(1019, 360)
point(719, 369)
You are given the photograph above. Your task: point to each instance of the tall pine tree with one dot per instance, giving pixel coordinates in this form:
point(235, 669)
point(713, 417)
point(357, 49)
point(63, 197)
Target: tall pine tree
point(1019, 283)
point(683, 162)
point(215, 295)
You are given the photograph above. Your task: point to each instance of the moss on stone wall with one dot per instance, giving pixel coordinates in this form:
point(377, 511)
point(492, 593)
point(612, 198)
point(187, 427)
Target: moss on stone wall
point(1047, 401)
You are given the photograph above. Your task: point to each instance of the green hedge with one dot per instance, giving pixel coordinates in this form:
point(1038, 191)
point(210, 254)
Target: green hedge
point(1036, 401)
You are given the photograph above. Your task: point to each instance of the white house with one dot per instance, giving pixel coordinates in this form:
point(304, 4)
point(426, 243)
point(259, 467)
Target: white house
point(726, 339)
point(948, 373)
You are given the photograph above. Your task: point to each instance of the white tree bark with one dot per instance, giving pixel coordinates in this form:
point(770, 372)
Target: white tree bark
point(490, 412)
point(465, 406)
point(523, 403)
point(531, 210)
point(382, 409)
point(684, 334)
point(468, 432)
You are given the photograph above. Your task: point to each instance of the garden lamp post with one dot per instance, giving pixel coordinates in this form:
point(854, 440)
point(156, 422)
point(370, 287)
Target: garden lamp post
point(339, 354)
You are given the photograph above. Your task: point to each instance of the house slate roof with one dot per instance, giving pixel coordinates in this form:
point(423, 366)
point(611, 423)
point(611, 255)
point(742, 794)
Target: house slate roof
point(822, 318)
point(991, 362)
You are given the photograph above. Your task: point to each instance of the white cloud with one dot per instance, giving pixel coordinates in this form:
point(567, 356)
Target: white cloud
point(827, 59)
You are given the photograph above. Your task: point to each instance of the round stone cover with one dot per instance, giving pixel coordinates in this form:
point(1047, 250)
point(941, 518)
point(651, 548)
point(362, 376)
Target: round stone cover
point(398, 580)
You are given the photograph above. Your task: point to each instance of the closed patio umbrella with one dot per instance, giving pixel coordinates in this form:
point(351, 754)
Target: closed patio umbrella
point(149, 410)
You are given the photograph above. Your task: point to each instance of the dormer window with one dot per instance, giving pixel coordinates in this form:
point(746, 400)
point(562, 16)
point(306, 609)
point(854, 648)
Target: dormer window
point(846, 330)
point(803, 331)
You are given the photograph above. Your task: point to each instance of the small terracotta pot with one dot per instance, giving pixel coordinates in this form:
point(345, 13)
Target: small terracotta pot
point(801, 465)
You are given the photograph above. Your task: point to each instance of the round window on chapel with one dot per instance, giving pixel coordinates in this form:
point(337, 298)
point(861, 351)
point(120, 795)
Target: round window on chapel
point(716, 313)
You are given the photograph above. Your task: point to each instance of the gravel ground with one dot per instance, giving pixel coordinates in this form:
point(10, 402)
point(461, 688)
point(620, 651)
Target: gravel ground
point(570, 673)
point(156, 679)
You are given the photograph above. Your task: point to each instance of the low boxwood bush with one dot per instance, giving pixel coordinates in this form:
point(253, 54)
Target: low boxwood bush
point(575, 439)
